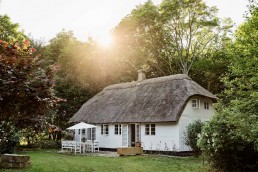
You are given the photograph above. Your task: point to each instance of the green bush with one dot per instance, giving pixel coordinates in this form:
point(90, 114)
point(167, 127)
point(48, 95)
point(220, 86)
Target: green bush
point(9, 138)
point(48, 144)
point(226, 146)
point(39, 140)
point(193, 130)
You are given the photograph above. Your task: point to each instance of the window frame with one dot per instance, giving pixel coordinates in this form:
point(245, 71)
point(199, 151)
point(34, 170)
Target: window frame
point(104, 129)
point(93, 133)
point(83, 131)
point(153, 129)
point(197, 103)
point(150, 129)
point(206, 105)
point(117, 129)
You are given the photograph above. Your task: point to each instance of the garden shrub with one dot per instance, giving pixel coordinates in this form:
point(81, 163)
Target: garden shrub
point(48, 144)
point(226, 146)
point(8, 138)
point(193, 130)
point(41, 139)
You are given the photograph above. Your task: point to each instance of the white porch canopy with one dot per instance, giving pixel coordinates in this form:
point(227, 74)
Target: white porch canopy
point(81, 125)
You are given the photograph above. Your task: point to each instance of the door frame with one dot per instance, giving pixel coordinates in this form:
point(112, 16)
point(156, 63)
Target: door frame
point(125, 135)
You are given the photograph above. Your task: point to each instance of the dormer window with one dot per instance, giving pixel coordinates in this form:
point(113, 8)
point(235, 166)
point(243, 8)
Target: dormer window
point(206, 105)
point(195, 103)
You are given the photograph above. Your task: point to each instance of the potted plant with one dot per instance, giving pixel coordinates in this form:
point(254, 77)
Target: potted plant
point(138, 144)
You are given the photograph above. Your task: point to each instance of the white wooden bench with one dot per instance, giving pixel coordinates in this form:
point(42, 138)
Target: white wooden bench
point(71, 145)
point(67, 144)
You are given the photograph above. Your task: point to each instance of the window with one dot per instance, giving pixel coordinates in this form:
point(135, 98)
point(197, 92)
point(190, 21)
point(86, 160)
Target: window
point(206, 105)
point(104, 129)
point(89, 133)
point(93, 132)
point(147, 129)
point(83, 131)
point(150, 129)
point(195, 103)
point(117, 129)
point(138, 133)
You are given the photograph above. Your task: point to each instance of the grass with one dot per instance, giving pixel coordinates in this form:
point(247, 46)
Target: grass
point(47, 161)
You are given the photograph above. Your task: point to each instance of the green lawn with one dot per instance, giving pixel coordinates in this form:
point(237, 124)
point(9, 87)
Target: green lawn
point(48, 161)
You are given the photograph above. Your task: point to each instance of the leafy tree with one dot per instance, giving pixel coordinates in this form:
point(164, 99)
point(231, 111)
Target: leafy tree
point(24, 84)
point(230, 139)
point(73, 79)
point(139, 38)
point(169, 38)
point(9, 31)
point(26, 89)
point(192, 28)
point(209, 70)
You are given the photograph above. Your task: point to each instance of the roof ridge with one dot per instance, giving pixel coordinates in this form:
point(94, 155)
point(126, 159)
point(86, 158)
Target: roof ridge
point(148, 81)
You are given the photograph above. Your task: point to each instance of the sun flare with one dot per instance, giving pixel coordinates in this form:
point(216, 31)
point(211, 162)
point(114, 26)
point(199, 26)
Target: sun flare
point(105, 40)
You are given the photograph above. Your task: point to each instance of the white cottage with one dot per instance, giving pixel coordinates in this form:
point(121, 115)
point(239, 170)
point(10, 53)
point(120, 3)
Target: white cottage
point(153, 112)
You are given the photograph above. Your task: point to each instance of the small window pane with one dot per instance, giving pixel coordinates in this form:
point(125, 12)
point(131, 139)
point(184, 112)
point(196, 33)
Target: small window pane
point(195, 103)
point(88, 133)
point(138, 134)
point(93, 133)
point(153, 129)
point(106, 129)
point(206, 105)
point(117, 129)
point(147, 129)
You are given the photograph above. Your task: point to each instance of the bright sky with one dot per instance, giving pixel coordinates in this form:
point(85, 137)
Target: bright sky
point(43, 19)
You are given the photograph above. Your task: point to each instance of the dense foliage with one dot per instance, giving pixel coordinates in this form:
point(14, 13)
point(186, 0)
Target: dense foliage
point(26, 88)
point(225, 146)
point(8, 137)
point(193, 131)
point(230, 138)
point(76, 79)
point(173, 37)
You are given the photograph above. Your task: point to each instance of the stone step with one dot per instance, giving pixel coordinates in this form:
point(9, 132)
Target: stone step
point(15, 161)
point(15, 164)
point(15, 158)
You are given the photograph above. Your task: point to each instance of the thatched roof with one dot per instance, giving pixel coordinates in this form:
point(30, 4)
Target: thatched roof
point(152, 100)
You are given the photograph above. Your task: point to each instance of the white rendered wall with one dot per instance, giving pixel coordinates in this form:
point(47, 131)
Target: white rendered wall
point(190, 115)
point(166, 137)
point(108, 141)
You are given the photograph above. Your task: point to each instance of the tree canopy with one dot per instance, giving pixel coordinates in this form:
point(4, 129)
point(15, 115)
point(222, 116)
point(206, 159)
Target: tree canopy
point(26, 88)
point(230, 138)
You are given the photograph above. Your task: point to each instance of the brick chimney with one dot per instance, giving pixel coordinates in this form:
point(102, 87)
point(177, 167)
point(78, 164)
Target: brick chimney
point(141, 75)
